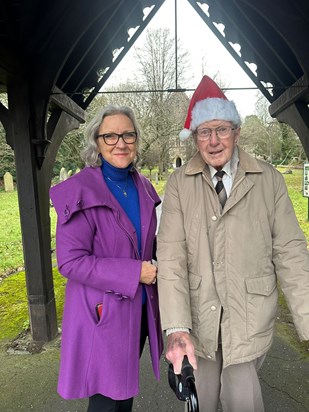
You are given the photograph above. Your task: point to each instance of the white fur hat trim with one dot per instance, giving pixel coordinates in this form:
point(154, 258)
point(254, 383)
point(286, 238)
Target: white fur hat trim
point(214, 109)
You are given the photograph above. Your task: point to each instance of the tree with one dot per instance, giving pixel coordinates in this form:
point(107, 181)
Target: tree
point(261, 139)
point(7, 158)
point(164, 111)
point(7, 162)
point(160, 110)
point(68, 155)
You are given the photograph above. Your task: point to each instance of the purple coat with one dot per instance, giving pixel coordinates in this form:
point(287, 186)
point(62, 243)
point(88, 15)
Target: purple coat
point(97, 251)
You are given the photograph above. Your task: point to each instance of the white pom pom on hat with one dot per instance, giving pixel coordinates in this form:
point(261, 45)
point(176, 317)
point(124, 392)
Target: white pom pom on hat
point(208, 103)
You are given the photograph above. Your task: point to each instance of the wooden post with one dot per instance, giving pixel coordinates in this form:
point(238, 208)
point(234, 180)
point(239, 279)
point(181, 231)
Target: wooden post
point(34, 212)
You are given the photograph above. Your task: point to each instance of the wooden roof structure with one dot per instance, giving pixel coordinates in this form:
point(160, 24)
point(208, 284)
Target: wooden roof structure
point(54, 58)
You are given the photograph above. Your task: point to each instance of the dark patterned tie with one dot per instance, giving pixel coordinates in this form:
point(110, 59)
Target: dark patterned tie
point(220, 189)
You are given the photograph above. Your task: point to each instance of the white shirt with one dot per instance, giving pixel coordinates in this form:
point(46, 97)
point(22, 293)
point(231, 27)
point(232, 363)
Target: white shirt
point(230, 169)
point(227, 178)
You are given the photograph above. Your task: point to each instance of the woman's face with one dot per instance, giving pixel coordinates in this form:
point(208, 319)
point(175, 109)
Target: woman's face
point(121, 154)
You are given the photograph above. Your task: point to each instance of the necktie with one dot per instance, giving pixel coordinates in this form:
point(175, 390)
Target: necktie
point(220, 189)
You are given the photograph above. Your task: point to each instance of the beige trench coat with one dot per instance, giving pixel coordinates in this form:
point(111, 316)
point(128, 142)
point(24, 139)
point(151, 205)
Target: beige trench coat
point(208, 261)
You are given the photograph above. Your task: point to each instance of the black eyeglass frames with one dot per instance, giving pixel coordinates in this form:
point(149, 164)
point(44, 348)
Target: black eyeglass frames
point(112, 139)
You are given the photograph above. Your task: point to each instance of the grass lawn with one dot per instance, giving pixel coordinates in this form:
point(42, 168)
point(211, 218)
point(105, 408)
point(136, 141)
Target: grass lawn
point(13, 299)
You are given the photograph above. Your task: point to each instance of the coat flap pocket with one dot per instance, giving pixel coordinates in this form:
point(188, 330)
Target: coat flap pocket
point(261, 286)
point(194, 281)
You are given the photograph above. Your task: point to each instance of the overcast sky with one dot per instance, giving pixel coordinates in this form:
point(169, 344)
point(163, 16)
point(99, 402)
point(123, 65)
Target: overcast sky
point(201, 43)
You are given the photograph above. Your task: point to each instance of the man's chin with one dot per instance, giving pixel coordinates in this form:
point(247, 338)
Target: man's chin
point(216, 161)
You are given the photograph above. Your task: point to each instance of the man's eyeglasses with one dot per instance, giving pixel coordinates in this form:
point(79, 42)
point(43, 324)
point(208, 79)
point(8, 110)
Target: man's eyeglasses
point(222, 132)
point(111, 139)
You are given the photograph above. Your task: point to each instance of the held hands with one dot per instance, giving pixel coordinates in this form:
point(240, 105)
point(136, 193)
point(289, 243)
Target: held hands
point(148, 273)
point(179, 344)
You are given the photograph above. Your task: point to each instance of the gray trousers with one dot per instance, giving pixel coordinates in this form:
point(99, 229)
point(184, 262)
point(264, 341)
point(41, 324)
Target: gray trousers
point(236, 386)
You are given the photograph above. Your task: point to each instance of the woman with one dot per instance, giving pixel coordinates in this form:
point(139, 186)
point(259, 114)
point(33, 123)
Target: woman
point(105, 242)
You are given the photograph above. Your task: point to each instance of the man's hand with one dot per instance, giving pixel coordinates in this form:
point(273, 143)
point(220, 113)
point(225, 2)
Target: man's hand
point(179, 344)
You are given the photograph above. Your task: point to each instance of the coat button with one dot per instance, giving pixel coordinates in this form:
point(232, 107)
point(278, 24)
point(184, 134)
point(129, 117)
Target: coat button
point(214, 218)
point(119, 295)
point(209, 357)
point(109, 291)
point(213, 307)
point(80, 204)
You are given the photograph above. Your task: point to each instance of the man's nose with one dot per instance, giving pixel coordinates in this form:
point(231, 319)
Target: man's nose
point(213, 139)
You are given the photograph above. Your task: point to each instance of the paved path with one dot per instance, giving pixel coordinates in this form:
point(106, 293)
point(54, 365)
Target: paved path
point(28, 383)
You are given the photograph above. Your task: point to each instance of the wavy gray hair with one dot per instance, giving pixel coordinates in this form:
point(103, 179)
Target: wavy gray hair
point(90, 153)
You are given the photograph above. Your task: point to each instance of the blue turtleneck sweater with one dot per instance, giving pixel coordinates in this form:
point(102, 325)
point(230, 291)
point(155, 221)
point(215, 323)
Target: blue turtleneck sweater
point(121, 185)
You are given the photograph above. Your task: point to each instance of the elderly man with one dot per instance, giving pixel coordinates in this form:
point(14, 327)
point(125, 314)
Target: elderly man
point(228, 231)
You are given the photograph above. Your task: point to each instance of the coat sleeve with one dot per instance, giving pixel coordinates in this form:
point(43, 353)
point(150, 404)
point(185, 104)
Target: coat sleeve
point(173, 285)
point(77, 262)
point(291, 259)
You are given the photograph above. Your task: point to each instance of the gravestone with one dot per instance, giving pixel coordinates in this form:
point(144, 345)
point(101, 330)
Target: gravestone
point(63, 174)
point(8, 182)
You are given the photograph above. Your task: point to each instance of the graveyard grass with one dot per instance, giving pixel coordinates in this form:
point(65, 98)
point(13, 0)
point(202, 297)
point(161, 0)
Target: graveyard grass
point(13, 296)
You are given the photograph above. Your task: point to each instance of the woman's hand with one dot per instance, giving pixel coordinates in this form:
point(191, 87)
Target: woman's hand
point(179, 344)
point(148, 273)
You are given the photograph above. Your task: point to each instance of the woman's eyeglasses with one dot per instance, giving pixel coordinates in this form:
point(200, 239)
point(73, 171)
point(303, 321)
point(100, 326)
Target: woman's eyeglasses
point(111, 139)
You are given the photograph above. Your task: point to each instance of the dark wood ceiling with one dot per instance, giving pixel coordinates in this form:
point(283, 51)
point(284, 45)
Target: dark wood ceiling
point(272, 35)
point(68, 44)
point(73, 42)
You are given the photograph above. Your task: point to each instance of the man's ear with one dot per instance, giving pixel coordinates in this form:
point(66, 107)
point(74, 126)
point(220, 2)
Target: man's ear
point(237, 135)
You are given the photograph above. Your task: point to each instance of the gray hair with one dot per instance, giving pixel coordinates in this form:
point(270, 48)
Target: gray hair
point(90, 153)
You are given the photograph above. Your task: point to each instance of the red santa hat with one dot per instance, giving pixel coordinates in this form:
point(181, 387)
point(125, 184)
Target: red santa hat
point(208, 103)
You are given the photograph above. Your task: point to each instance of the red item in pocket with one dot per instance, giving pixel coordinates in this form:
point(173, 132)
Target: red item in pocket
point(98, 309)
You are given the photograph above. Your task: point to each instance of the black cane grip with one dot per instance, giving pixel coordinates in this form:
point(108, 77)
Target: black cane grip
point(187, 369)
point(184, 384)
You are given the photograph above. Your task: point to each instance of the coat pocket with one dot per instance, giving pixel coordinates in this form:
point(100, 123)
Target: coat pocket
point(262, 297)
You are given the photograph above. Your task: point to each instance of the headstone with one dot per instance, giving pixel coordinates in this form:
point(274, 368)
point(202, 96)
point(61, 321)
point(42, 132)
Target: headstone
point(63, 174)
point(8, 182)
point(70, 172)
point(77, 170)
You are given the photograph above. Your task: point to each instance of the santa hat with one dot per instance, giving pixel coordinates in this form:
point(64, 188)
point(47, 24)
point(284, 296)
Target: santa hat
point(208, 103)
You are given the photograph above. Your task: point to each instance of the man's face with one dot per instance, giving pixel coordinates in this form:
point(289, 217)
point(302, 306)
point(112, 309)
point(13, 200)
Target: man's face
point(217, 151)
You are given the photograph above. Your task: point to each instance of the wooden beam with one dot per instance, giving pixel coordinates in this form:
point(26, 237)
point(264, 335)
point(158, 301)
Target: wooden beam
point(297, 116)
point(59, 124)
point(63, 102)
point(299, 91)
point(34, 206)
